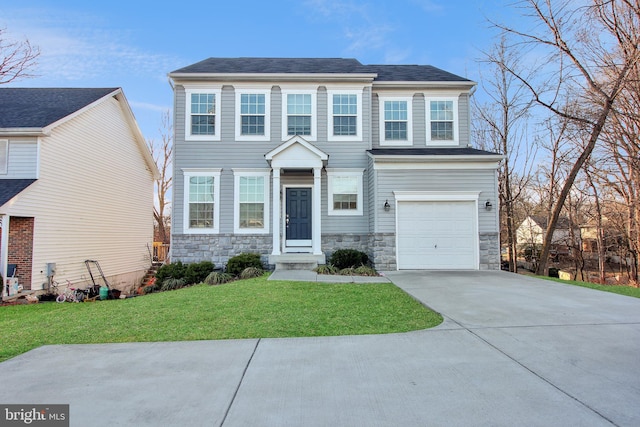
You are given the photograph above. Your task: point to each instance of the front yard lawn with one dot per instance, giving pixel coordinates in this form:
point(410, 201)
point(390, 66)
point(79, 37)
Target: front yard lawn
point(629, 291)
point(254, 308)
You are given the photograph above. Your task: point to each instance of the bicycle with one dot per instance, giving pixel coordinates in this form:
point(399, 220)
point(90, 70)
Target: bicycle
point(71, 294)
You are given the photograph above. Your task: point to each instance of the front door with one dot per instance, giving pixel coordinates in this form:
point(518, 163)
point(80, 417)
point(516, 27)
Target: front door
point(298, 218)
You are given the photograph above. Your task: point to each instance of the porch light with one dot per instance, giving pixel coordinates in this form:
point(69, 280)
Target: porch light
point(387, 206)
point(488, 205)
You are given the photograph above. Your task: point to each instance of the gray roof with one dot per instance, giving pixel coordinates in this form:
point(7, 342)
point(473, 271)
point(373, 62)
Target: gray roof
point(40, 107)
point(404, 73)
point(450, 151)
point(11, 187)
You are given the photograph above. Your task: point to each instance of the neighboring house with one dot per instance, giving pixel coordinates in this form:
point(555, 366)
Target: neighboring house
point(76, 184)
point(295, 158)
point(531, 233)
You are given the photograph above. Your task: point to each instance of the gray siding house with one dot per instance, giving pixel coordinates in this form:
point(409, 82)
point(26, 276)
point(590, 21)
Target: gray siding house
point(294, 158)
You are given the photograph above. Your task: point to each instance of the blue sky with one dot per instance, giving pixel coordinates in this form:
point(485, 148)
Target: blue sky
point(134, 44)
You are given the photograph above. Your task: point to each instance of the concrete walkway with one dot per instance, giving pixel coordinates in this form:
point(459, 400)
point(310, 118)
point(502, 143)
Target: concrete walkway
point(512, 351)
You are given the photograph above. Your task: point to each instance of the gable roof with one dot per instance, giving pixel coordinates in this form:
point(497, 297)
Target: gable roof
point(9, 188)
point(379, 73)
point(41, 107)
point(542, 221)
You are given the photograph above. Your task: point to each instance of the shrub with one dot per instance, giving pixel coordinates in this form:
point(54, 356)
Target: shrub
point(218, 278)
point(325, 269)
point(365, 270)
point(251, 272)
point(239, 262)
point(349, 271)
point(198, 271)
point(171, 284)
point(175, 270)
point(344, 258)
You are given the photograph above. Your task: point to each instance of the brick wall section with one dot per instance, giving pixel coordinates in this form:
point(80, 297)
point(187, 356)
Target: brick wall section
point(21, 248)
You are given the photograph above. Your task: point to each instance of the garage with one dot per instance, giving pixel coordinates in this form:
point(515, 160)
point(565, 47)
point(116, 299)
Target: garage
point(437, 235)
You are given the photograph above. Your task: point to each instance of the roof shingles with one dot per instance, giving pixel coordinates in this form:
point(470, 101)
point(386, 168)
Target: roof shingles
point(40, 107)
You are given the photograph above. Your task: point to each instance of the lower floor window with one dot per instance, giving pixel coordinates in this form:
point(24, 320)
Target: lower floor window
point(251, 200)
point(201, 201)
point(345, 192)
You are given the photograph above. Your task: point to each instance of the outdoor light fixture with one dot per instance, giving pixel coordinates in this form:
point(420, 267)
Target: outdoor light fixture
point(488, 205)
point(387, 206)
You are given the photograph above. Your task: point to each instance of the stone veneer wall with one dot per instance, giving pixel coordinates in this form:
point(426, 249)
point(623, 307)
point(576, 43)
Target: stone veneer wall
point(381, 248)
point(218, 248)
point(489, 251)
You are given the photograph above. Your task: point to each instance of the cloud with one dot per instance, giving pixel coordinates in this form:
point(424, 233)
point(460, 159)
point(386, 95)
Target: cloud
point(79, 47)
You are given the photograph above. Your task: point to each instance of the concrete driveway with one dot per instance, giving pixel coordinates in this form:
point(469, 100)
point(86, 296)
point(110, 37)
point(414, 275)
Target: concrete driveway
point(512, 351)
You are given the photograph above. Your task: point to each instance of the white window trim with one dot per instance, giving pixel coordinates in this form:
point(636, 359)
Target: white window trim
point(4, 153)
point(330, 135)
point(215, 173)
point(267, 114)
point(394, 142)
point(314, 113)
point(237, 174)
point(456, 123)
point(331, 173)
point(217, 91)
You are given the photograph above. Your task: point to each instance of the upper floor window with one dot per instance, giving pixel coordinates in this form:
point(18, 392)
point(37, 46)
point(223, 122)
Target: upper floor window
point(395, 123)
point(252, 114)
point(201, 196)
point(345, 191)
point(202, 114)
point(299, 114)
point(4, 156)
point(251, 201)
point(442, 120)
point(345, 115)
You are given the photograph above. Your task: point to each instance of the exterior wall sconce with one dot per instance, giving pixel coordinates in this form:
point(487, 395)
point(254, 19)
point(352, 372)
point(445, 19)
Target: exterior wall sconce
point(488, 205)
point(387, 206)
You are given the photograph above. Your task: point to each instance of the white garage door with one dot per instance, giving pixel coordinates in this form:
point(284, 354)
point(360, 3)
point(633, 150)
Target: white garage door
point(437, 235)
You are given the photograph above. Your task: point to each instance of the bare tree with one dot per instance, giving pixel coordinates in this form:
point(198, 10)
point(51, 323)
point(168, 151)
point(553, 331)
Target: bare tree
point(502, 121)
point(589, 53)
point(163, 155)
point(16, 58)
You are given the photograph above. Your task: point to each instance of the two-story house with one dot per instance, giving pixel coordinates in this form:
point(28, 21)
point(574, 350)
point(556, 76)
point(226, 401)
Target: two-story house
point(295, 158)
point(76, 184)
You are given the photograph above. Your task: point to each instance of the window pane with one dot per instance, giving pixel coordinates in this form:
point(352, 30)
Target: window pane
point(345, 104)
point(201, 215)
point(345, 184)
point(345, 201)
point(299, 125)
point(299, 104)
point(442, 131)
point(395, 131)
point(252, 125)
point(252, 189)
point(395, 110)
point(344, 125)
point(251, 215)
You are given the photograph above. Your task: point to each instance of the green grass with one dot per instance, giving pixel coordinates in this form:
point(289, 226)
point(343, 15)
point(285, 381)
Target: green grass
point(629, 291)
point(254, 308)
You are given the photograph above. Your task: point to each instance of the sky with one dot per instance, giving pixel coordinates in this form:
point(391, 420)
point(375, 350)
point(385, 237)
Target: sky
point(134, 44)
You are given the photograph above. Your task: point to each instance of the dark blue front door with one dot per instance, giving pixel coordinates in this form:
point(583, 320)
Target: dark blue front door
point(298, 222)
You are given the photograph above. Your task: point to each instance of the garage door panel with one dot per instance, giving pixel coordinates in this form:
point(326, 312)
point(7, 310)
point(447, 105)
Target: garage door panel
point(437, 235)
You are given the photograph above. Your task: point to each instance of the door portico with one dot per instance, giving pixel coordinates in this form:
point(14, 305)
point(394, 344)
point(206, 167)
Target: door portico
point(296, 156)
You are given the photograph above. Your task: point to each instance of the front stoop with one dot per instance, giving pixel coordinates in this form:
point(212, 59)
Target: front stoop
point(296, 261)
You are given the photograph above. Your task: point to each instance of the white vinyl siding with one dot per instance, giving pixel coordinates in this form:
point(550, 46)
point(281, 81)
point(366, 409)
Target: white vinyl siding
point(202, 118)
point(93, 199)
point(251, 201)
point(4, 156)
point(442, 120)
point(345, 192)
point(396, 121)
point(201, 201)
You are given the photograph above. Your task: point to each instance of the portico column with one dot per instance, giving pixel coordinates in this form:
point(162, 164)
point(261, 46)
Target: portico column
point(276, 212)
point(317, 211)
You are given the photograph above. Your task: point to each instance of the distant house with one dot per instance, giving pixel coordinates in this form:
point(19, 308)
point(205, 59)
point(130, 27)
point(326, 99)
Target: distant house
point(294, 158)
point(76, 183)
point(531, 233)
